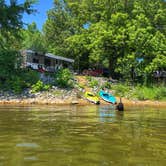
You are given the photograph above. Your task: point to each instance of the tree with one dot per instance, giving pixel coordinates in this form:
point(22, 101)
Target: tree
point(59, 26)
point(11, 15)
point(33, 39)
point(10, 26)
point(118, 35)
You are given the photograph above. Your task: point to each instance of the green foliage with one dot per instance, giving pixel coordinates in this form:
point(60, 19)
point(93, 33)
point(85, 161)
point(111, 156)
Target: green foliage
point(140, 92)
point(15, 84)
point(59, 26)
point(30, 77)
point(89, 78)
point(144, 93)
point(11, 14)
point(40, 86)
point(9, 63)
point(33, 39)
point(11, 21)
point(64, 78)
point(160, 93)
point(150, 93)
point(80, 86)
point(12, 77)
point(93, 83)
point(107, 85)
point(121, 89)
point(19, 81)
point(119, 33)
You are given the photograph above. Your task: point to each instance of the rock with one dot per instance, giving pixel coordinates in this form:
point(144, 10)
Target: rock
point(74, 102)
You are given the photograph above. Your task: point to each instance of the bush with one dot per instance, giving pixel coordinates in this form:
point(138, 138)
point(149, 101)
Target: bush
point(20, 80)
point(15, 83)
point(93, 83)
point(40, 86)
point(30, 77)
point(12, 77)
point(160, 93)
point(88, 78)
point(144, 93)
point(81, 86)
point(121, 90)
point(148, 93)
point(107, 85)
point(9, 63)
point(64, 78)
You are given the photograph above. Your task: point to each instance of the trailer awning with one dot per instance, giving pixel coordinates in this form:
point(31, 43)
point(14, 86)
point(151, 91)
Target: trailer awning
point(49, 55)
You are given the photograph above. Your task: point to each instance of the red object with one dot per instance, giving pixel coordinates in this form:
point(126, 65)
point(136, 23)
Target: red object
point(95, 72)
point(41, 70)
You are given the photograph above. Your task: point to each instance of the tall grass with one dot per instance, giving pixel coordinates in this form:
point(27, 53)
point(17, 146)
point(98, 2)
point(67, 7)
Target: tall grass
point(140, 92)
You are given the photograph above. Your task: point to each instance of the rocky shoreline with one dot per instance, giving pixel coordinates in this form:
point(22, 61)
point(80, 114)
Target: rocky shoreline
point(53, 96)
point(64, 97)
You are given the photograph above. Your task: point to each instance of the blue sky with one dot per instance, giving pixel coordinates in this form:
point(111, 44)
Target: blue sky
point(42, 6)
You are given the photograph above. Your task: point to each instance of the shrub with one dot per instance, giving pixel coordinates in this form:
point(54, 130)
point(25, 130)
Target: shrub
point(9, 63)
point(64, 78)
point(81, 86)
point(30, 77)
point(144, 93)
point(15, 83)
point(93, 83)
point(107, 85)
point(40, 86)
point(20, 80)
point(12, 77)
point(121, 90)
point(89, 78)
point(149, 93)
point(160, 93)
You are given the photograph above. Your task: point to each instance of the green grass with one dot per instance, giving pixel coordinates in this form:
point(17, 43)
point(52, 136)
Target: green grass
point(140, 92)
point(92, 82)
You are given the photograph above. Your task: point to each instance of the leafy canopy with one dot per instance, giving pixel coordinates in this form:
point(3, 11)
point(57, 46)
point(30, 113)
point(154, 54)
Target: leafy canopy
point(118, 33)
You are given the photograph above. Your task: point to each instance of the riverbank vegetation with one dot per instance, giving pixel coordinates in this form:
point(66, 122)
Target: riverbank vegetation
point(125, 90)
point(140, 92)
point(126, 37)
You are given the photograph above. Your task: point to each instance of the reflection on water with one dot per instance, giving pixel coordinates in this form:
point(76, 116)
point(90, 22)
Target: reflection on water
point(79, 136)
point(108, 114)
point(28, 145)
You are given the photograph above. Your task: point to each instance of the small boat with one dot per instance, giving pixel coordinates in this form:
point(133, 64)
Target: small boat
point(107, 97)
point(92, 97)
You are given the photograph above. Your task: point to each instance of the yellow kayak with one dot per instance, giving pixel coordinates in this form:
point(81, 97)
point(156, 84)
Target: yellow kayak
point(92, 97)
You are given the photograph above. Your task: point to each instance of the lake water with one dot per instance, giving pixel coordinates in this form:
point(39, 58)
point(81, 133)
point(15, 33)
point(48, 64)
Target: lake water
point(82, 136)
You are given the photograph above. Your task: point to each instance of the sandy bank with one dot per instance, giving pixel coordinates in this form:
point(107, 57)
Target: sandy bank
point(146, 103)
point(78, 101)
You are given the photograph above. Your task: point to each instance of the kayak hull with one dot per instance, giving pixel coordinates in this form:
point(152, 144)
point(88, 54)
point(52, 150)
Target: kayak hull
point(92, 98)
point(107, 97)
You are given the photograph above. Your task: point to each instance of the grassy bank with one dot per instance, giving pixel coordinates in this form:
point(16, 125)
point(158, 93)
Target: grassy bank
point(125, 90)
point(140, 92)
